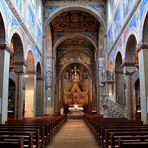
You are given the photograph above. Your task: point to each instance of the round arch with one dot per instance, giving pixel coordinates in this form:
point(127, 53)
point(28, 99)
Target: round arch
point(74, 7)
point(133, 32)
point(86, 66)
point(38, 69)
point(16, 30)
point(17, 47)
point(120, 86)
point(130, 50)
point(144, 31)
point(71, 36)
point(30, 62)
point(118, 60)
point(2, 30)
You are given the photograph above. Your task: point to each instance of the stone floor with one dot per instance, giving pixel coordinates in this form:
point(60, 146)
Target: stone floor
point(74, 134)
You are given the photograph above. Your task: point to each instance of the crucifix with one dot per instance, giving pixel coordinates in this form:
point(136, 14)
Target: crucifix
point(75, 75)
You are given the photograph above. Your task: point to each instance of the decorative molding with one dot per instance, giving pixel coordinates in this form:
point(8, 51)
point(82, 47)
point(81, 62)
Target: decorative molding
point(19, 63)
point(12, 8)
point(142, 46)
point(3, 46)
point(62, 3)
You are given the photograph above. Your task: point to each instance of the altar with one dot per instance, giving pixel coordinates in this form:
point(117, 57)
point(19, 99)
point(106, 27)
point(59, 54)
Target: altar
point(75, 111)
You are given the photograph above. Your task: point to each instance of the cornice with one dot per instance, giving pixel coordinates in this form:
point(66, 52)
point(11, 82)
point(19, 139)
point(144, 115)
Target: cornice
point(67, 2)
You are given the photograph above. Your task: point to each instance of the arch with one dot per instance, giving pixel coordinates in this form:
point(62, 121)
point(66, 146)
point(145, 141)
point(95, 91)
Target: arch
point(74, 7)
point(118, 60)
point(38, 69)
point(70, 62)
point(15, 30)
point(120, 86)
point(130, 50)
point(133, 32)
point(2, 30)
point(144, 32)
point(85, 66)
point(17, 47)
point(71, 36)
point(30, 62)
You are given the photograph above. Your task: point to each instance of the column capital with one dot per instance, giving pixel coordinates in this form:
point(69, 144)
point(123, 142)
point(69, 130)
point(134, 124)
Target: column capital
point(20, 67)
point(3, 46)
point(20, 63)
point(129, 67)
point(141, 46)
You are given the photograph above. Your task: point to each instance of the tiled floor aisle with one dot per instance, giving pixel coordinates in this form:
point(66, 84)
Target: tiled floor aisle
point(74, 134)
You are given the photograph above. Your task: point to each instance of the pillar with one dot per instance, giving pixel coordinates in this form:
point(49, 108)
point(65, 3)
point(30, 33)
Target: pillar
point(143, 73)
point(39, 99)
point(49, 88)
point(129, 71)
point(4, 78)
point(20, 68)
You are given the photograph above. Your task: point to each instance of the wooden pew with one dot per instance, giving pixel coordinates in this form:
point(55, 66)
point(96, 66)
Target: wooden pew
point(36, 134)
point(115, 122)
point(106, 139)
point(107, 142)
point(27, 139)
point(115, 139)
point(95, 123)
point(12, 144)
point(22, 133)
point(39, 129)
point(132, 144)
point(51, 124)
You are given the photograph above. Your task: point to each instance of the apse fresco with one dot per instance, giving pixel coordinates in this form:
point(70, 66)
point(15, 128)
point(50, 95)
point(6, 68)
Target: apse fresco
point(75, 81)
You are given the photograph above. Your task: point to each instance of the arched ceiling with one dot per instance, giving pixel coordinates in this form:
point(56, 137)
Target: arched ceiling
point(78, 48)
point(76, 44)
point(75, 21)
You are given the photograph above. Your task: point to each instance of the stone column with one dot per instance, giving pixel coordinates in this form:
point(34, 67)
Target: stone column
point(49, 100)
point(60, 93)
point(97, 86)
point(90, 97)
point(143, 73)
point(4, 78)
point(20, 68)
point(129, 71)
point(39, 99)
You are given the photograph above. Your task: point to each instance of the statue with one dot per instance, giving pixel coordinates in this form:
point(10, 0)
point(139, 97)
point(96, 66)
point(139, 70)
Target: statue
point(66, 75)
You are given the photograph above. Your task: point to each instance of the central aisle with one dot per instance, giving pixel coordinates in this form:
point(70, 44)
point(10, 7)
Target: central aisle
point(74, 134)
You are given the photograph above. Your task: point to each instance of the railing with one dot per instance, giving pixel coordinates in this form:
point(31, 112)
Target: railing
point(112, 109)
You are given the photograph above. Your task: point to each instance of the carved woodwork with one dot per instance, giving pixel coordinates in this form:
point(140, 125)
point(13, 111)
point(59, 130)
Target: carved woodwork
point(76, 86)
